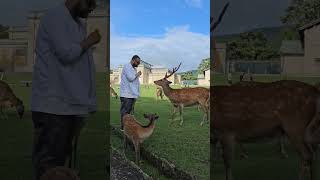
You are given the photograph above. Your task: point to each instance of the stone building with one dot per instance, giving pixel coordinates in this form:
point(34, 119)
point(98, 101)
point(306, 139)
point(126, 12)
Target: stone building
point(302, 57)
point(19, 48)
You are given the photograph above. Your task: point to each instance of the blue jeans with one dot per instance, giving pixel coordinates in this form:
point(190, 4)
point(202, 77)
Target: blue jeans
point(127, 106)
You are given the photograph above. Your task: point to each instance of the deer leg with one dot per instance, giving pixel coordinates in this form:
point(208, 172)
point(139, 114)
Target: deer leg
point(1, 113)
point(305, 155)
point(215, 149)
point(283, 151)
point(205, 116)
point(181, 114)
point(244, 153)
point(124, 145)
point(173, 113)
point(136, 148)
point(228, 150)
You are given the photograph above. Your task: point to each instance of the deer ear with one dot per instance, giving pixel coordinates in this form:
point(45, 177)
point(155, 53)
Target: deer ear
point(156, 117)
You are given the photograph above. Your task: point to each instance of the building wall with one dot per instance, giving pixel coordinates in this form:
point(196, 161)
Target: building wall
point(204, 81)
point(312, 51)
point(293, 65)
point(98, 21)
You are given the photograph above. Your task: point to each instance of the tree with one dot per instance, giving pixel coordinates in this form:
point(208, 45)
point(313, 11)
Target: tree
point(301, 12)
point(251, 46)
point(204, 65)
point(188, 76)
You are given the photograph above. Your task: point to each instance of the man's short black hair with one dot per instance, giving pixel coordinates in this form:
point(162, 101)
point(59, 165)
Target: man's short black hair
point(135, 57)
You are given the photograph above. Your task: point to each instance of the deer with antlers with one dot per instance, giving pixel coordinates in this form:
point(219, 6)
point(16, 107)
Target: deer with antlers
point(185, 97)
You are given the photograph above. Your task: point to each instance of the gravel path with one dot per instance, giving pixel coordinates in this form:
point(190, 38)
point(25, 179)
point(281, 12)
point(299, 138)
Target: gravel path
point(122, 169)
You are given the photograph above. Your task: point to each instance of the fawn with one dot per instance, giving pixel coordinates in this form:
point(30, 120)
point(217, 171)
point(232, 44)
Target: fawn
point(136, 132)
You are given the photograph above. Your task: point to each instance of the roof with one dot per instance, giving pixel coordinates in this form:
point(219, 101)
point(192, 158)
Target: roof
point(291, 47)
point(309, 25)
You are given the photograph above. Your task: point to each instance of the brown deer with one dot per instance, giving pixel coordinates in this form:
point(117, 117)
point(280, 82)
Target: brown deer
point(185, 97)
point(113, 92)
point(59, 173)
point(8, 100)
point(281, 140)
point(159, 93)
point(136, 132)
point(243, 114)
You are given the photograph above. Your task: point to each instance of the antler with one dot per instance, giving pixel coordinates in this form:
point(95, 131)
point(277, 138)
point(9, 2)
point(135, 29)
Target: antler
point(213, 27)
point(173, 71)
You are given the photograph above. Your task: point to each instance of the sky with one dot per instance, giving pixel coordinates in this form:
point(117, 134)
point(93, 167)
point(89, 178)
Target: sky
point(163, 33)
point(243, 15)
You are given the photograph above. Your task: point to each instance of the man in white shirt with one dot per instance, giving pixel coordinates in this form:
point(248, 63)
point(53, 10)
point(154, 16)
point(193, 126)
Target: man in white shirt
point(129, 86)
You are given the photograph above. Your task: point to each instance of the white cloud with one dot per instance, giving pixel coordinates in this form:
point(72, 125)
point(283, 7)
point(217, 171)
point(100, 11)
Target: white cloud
point(177, 45)
point(194, 3)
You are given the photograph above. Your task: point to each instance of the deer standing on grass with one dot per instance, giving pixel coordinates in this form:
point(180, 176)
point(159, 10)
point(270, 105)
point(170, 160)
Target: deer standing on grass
point(159, 93)
point(185, 97)
point(113, 92)
point(137, 132)
point(8, 100)
point(241, 114)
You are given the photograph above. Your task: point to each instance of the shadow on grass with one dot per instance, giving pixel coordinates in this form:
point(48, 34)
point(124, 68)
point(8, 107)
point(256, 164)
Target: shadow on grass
point(16, 147)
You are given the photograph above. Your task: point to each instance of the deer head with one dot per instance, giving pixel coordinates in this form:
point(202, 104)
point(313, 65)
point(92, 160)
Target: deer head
point(151, 117)
point(164, 81)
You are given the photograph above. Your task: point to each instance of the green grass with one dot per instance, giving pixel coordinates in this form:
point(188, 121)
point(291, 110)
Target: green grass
point(16, 137)
point(264, 161)
point(187, 146)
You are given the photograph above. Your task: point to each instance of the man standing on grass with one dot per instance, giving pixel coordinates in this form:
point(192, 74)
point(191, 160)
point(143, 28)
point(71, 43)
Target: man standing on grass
point(129, 86)
point(63, 90)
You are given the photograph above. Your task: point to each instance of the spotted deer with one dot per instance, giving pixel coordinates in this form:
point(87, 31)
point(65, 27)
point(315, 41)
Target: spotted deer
point(243, 114)
point(185, 97)
point(8, 100)
point(136, 132)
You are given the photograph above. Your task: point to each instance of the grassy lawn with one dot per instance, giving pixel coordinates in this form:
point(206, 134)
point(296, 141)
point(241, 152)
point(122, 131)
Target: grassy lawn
point(185, 146)
point(16, 137)
point(265, 162)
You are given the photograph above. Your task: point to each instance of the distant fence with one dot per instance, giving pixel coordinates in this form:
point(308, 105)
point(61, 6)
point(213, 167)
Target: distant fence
point(255, 66)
